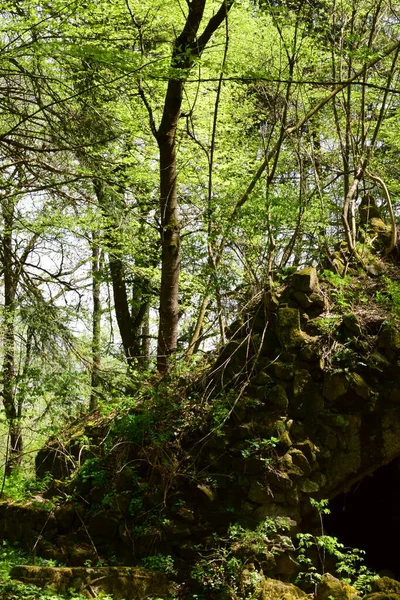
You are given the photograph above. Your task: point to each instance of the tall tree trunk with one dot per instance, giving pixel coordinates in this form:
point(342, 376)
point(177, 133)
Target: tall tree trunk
point(128, 324)
point(187, 48)
point(170, 236)
point(96, 320)
point(9, 379)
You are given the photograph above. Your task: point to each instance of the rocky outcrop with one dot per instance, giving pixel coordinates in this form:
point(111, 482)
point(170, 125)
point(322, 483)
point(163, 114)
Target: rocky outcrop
point(124, 583)
point(302, 402)
point(330, 587)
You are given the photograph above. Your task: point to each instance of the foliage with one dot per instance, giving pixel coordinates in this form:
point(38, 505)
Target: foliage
point(226, 567)
point(20, 487)
point(13, 590)
point(160, 562)
point(348, 563)
point(389, 295)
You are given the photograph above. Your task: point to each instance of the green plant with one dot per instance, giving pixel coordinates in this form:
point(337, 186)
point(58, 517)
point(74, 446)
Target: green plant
point(348, 562)
point(259, 447)
point(93, 470)
point(20, 487)
point(225, 568)
point(389, 295)
point(160, 562)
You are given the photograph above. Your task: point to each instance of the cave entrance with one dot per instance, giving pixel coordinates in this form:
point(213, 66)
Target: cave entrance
point(368, 517)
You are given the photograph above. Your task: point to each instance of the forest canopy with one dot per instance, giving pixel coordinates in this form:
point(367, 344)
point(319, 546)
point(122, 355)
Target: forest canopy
point(161, 162)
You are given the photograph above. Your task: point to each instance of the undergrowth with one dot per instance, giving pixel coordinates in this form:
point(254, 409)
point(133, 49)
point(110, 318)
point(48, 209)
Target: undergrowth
point(11, 555)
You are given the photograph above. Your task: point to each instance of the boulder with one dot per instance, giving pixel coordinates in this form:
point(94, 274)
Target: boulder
point(305, 280)
point(381, 596)
point(272, 589)
point(130, 583)
point(386, 585)
point(329, 587)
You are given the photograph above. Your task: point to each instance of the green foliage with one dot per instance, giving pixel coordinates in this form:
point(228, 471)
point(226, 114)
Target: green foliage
point(160, 562)
point(10, 555)
point(260, 448)
point(133, 427)
point(348, 562)
point(342, 292)
point(20, 486)
point(93, 470)
point(389, 295)
point(225, 568)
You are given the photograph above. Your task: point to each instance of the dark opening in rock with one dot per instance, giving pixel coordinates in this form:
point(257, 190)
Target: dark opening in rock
point(368, 517)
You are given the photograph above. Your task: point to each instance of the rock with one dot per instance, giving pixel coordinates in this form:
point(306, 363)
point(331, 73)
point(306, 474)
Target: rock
point(389, 338)
point(277, 398)
point(386, 585)
point(352, 324)
point(272, 589)
point(307, 400)
point(307, 486)
point(283, 371)
point(358, 384)
point(376, 268)
point(300, 460)
point(130, 583)
point(263, 379)
point(382, 596)
point(302, 299)
point(308, 449)
point(329, 587)
point(335, 386)
point(294, 471)
point(280, 480)
point(288, 327)
point(368, 209)
point(305, 280)
point(258, 493)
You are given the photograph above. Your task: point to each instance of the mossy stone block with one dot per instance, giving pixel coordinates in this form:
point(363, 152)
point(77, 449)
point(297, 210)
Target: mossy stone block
point(273, 589)
point(387, 585)
point(358, 384)
point(329, 587)
point(278, 399)
point(389, 338)
point(302, 299)
point(283, 371)
point(288, 327)
point(335, 386)
point(305, 280)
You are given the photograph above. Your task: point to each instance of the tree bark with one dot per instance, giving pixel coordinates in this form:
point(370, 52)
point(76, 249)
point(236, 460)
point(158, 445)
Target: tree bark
point(187, 48)
point(128, 324)
point(96, 320)
point(9, 379)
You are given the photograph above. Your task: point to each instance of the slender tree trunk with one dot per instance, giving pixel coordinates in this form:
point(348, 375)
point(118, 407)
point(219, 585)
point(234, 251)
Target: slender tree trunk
point(9, 379)
point(170, 237)
point(128, 324)
point(96, 320)
point(145, 349)
point(188, 46)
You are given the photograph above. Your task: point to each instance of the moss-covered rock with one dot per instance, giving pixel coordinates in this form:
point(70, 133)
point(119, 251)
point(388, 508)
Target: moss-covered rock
point(272, 589)
point(277, 399)
point(335, 386)
point(123, 582)
point(382, 596)
point(305, 280)
point(329, 587)
point(386, 585)
point(288, 327)
point(307, 399)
